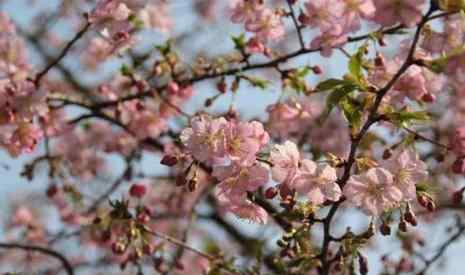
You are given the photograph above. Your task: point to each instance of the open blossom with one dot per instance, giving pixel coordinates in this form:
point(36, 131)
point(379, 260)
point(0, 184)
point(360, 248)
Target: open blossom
point(408, 170)
point(356, 10)
point(267, 26)
point(205, 140)
point(236, 180)
point(285, 159)
point(373, 191)
point(244, 140)
point(246, 10)
point(457, 141)
point(244, 209)
point(291, 117)
point(325, 15)
point(317, 181)
point(390, 12)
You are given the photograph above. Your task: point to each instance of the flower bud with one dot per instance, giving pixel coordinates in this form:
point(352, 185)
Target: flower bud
point(428, 97)
point(118, 248)
point(387, 154)
point(193, 184)
point(137, 190)
point(271, 192)
point(169, 160)
point(458, 167)
point(317, 70)
point(52, 190)
point(403, 226)
point(363, 264)
point(385, 229)
point(457, 196)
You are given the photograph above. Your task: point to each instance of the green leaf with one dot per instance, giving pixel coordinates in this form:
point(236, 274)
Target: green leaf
point(356, 63)
point(335, 98)
point(239, 41)
point(404, 117)
point(331, 84)
point(352, 113)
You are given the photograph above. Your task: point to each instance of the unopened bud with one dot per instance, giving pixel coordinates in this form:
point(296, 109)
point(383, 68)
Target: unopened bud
point(457, 196)
point(387, 154)
point(317, 70)
point(192, 184)
point(169, 160)
point(403, 226)
point(363, 264)
point(385, 229)
point(458, 167)
point(271, 192)
point(428, 98)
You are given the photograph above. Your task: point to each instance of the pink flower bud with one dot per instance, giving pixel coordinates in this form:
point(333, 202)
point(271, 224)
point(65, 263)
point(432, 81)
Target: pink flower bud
point(137, 190)
point(169, 160)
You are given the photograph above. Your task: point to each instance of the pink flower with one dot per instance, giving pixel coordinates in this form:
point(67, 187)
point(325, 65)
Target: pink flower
point(317, 181)
point(390, 12)
point(147, 124)
point(373, 191)
point(290, 117)
point(355, 10)
point(245, 10)
point(236, 180)
point(325, 15)
point(244, 140)
point(285, 159)
point(241, 207)
point(156, 15)
point(205, 140)
point(267, 26)
point(457, 141)
point(327, 41)
point(408, 170)
point(24, 139)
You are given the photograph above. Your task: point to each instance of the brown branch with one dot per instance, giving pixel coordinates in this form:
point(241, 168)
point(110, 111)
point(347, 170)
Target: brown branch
point(372, 119)
point(63, 53)
point(66, 264)
point(442, 249)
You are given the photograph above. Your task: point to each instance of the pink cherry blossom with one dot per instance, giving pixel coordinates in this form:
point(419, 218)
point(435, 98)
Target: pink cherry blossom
point(317, 182)
point(205, 140)
point(373, 191)
point(390, 12)
point(325, 15)
point(244, 140)
point(457, 141)
point(267, 26)
point(408, 170)
point(236, 180)
point(245, 10)
point(356, 10)
point(285, 159)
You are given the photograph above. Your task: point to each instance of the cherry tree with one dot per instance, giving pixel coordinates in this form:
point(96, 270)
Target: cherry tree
point(233, 137)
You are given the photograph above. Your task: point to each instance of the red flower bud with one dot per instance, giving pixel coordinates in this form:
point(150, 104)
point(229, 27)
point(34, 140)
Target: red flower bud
point(52, 190)
point(457, 196)
point(428, 97)
point(137, 190)
point(317, 70)
point(385, 229)
point(403, 226)
point(271, 192)
point(169, 160)
point(458, 167)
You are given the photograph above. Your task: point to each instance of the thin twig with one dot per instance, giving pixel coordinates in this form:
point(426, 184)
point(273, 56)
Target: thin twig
point(66, 264)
